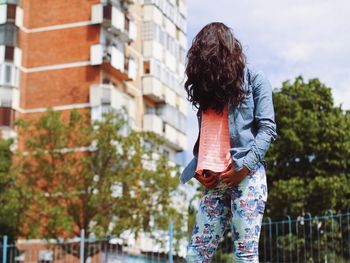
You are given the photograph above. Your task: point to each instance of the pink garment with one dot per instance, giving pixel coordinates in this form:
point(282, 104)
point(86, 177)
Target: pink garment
point(214, 143)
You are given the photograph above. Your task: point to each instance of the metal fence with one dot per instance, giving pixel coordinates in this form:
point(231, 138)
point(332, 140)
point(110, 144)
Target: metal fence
point(92, 250)
point(323, 238)
point(306, 238)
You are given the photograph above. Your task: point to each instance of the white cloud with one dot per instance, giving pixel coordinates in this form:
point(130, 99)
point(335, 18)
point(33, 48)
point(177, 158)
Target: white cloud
point(297, 52)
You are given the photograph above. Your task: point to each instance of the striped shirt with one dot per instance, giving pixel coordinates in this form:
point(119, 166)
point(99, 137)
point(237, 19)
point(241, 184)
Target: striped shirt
point(214, 143)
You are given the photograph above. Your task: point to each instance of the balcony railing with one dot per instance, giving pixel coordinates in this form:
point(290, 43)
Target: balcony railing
point(131, 67)
point(153, 89)
point(170, 11)
point(9, 2)
point(153, 33)
point(98, 113)
point(174, 138)
point(157, 69)
point(9, 97)
point(117, 23)
point(105, 98)
point(172, 116)
point(126, 66)
point(122, 3)
point(152, 122)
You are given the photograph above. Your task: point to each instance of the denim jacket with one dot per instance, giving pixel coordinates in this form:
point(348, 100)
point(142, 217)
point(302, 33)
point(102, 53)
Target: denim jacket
point(252, 125)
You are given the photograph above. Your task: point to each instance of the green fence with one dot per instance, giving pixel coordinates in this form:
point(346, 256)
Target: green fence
point(307, 238)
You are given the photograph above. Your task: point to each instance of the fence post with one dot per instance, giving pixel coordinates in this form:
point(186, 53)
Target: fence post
point(4, 249)
point(310, 225)
point(318, 238)
point(348, 221)
point(171, 241)
point(290, 238)
point(82, 243)
point(270, 234)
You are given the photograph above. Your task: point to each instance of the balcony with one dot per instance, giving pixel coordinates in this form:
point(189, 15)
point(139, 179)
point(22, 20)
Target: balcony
point(172, 116)
point(97, 113)
point(182, 8)
point(15, 2)
point(168, 10)
point(8, 12)
point(107, 98)
point(131, 67)
point(170, 61)
point(153, 89)
point(124, 67)
point(123, 3)
point(118, 24)
point(155, 68)
point(152, 122)
point(175, 139)
point(114, 60)
point(9, 97)
point(152, 48)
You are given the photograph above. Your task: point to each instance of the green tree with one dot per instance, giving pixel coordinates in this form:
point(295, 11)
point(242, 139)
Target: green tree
point(308, 165)
point(10, 207)
point(89, 176)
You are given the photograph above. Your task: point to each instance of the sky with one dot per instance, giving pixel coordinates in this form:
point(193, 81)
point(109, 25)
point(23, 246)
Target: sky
point(284, 39)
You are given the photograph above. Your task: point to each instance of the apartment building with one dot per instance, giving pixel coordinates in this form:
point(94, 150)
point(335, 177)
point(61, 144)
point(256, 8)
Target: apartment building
point(9, 71)
point(96, 56)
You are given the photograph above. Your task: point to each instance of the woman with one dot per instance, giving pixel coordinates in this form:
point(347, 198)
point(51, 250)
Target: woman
point(236, 127)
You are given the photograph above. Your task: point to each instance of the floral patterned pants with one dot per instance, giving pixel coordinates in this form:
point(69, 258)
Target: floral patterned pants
point(241, 208)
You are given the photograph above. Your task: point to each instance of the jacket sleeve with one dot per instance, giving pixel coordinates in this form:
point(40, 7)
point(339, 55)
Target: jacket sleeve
point(196, 145)
point(264, 116)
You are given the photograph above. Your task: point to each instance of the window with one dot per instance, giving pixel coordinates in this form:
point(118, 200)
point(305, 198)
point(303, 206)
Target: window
point(107, 11)
point(147, 67)
point(8, 74)
point(147, 31)
point(8, 71)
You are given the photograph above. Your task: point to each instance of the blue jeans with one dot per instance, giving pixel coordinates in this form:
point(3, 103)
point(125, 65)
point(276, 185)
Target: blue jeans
point(240, 207)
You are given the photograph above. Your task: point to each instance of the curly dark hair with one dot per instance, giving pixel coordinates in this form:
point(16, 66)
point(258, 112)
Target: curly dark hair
point(215, 68)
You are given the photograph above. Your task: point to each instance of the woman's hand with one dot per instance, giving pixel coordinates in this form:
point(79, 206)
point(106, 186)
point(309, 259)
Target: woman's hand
point(210, 180)
point(231, 177)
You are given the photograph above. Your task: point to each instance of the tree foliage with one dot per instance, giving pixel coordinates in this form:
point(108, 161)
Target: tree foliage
point(308, 164)
point(9, 197)
point(91, 176)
